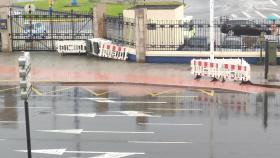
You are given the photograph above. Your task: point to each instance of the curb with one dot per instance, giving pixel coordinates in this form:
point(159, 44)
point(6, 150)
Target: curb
point(68, 83)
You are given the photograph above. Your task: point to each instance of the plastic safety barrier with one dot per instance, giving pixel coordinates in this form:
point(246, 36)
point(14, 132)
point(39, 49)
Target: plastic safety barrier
point(94, 44)
point(71, 46)
point(113, 51)
point(223, 69)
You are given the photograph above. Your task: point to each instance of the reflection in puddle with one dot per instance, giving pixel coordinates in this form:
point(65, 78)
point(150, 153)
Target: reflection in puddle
point(8, 114)
point(208, 121)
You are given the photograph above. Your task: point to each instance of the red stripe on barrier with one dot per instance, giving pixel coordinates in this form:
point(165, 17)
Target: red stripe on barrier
point(108, 46)
point(239, 68)
point(120, 49)
point(232, 67)
point(211, 65)
point(226, 66)
point(205, 64)
point(199, 63)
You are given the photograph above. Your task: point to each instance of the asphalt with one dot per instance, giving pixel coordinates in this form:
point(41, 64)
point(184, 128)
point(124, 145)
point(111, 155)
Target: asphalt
point(140, 122)
point(239, 9)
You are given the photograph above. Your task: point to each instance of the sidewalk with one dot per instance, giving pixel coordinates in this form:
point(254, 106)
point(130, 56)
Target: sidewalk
point(49, 67)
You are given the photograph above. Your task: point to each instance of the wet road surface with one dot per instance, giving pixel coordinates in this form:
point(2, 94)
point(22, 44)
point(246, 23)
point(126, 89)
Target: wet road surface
point(115, 121)
point(239, 9)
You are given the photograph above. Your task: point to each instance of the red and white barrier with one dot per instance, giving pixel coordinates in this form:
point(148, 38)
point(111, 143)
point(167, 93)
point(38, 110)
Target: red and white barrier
point(113, 51)
point(224, 69)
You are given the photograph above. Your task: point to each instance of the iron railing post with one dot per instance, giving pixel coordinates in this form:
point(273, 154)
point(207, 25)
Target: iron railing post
point(27, 123)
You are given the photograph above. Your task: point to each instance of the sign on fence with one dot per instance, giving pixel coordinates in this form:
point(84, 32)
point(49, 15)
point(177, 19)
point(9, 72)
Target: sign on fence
point(3, 24)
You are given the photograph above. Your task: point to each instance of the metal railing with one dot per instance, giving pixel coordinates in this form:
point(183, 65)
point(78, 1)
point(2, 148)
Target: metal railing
point(39, 30)
point(120, 30)
point(193, 35)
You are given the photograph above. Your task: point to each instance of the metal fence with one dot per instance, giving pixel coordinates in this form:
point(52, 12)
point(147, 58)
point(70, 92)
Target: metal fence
point(193, 35)
point(38, 31)
point(120, 30)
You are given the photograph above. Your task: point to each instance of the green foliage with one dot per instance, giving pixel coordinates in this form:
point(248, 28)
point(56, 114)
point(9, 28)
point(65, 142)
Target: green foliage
point(115, 9)
point(63, 5)
point(112, 9)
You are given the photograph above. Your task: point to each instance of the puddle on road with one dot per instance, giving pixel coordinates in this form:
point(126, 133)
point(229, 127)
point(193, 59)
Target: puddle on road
point(222, 117)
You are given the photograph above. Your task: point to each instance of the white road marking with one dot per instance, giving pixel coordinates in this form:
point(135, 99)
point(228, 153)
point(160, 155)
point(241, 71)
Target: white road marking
point(234, 15)
point(167, 109)
point(246, 14)
point(150, 142)
point(126, 114)
point(90, 115)
point(171, 124)
point(119, 132)
point(11, 121)
point(176, 96)
point(273, 2)
point(97, 98)
point(62, 151)
point(113, 155)
point(66, 131)
point(140, 102)
point(129, 102)
point(80, 131)
point(106, 100)
point(23, 107)
point(137, 113)
point(278, 16)
point(47, 151)
point(113, 116)
point(3, 139)
point(260, 14)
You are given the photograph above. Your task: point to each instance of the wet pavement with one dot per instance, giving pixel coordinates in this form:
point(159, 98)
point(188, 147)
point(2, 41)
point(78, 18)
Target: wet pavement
point(239, 9)
point(52, 68)
point(118, 120)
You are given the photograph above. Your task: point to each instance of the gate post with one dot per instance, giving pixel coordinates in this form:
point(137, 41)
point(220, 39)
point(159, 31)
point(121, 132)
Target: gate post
point(98, 21)
point(141, 34)
point(5, 33)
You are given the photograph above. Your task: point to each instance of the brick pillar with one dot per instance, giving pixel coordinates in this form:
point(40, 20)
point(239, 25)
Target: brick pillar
point(5, 34)
point(141, 34)
point(98, 21)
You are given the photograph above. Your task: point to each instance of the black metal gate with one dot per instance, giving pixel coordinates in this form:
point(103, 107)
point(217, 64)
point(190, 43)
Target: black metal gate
point(38, 31)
